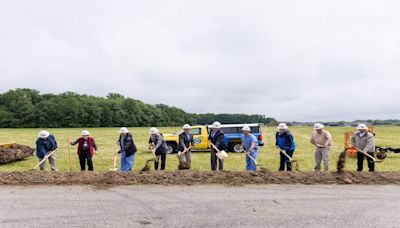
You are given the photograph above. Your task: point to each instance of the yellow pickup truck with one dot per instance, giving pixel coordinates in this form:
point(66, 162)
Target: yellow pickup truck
point(233, 137)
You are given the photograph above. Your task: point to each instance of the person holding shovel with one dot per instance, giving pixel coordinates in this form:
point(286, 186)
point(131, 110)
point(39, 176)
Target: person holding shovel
point(322, 140)
point(250, 147)
point(217, 138)
point(46, 144)
point(364, 141)
point(159, 147)
point(86, 149)
point(285, 144)
point(127, 150)
point(186, 144)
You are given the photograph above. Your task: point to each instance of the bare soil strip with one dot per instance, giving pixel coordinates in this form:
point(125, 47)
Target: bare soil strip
point(196, 178)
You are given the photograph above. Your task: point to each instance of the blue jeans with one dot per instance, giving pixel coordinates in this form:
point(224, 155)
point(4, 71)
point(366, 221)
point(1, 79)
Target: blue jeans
point(250, 164)
point(127, 162)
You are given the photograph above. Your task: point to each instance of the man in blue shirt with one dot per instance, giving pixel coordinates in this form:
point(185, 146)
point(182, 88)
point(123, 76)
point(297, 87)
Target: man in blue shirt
point(45, 144)
point(285, 142)
point(250, 147)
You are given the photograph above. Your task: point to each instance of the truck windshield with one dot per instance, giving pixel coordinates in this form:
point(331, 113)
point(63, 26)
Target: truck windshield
point(238, 130)
point(194, 131)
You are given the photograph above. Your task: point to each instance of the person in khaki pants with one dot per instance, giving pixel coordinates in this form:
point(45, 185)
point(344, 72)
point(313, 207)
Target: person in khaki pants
point(186, 141)
point(322, 140)
point(45, 144)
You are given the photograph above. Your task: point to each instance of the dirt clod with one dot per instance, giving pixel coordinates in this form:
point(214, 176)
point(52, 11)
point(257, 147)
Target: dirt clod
point(347, 181)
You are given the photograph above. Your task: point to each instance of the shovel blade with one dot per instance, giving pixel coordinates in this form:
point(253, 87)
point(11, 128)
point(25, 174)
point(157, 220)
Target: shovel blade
point(147, 166)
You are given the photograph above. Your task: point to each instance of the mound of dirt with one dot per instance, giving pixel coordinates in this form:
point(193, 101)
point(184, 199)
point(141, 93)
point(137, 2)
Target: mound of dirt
point(14, 152)
point(195, 178)
point(341, 162)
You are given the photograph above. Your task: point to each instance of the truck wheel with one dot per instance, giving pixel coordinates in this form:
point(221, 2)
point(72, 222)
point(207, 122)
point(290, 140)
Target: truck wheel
point(171, 148)
point(237, 148)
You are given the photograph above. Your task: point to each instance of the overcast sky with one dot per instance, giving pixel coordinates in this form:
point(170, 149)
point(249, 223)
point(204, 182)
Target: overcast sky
point(292, 60)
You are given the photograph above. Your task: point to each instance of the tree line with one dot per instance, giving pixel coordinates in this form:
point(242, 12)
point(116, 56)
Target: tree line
point(28, 108)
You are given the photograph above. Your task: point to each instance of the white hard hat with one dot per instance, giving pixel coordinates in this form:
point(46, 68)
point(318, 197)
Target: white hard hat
point(216, 125)
point(246, 128)
point(153, 131)
point(362, 127)
point(123, 130)
point(85, 133)
point(44, 134)
point(282, 126)
point(186, 127)
point(318, 126)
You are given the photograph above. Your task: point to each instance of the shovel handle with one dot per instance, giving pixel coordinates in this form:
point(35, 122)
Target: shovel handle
point(156, 158)
point(115, 161)
point(366, 154)
point(215, 148)
point(251, 157)
point(44, 159)
point(69, 154)
point(284, 153)
point(185, 151)
point(154, 153)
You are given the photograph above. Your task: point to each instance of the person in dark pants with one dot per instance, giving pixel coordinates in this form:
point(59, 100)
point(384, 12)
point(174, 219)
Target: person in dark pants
point(86, 149)
point(159, 146)
point(285, 141)
point(364, 141)
point(217, 138)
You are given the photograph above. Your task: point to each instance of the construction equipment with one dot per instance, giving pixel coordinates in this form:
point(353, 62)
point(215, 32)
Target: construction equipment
point(388, 149)
point(8, 145)
point(12, 152)
point(381, 152)
point(221, 154)
point(291, 160)
point(366, 154)
point(45, 158)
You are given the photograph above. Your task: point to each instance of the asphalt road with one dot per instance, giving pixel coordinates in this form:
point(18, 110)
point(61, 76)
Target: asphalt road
point(200, 206)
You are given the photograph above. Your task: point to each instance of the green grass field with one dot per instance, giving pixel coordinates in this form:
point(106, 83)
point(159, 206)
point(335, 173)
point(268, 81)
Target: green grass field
point(106, 140)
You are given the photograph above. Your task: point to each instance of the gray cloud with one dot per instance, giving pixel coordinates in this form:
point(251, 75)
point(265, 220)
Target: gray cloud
point(293, 60)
